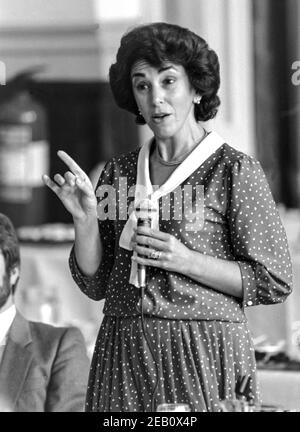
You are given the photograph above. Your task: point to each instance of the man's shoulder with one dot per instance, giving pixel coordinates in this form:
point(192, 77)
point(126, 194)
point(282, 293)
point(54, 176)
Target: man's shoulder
point(48, 331)
point(62, 342)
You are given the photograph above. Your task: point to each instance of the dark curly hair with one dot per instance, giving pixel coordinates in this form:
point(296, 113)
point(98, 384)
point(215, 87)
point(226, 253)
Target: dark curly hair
point(9, 244)
point(160, 42)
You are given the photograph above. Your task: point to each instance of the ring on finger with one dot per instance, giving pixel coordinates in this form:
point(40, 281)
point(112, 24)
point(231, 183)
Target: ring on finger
point(155, 254)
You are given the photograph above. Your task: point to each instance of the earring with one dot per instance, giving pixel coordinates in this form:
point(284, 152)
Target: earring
point(140, 119)
point(197, 100)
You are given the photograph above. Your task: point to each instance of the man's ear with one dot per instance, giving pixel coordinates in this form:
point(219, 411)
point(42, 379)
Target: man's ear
point(14, 276)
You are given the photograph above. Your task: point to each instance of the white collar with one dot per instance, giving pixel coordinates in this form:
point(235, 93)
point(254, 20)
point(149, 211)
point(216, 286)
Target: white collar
point(144, 188)
point(6, 319)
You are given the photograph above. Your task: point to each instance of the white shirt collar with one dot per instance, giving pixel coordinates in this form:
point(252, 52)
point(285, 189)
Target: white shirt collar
point(6, 319)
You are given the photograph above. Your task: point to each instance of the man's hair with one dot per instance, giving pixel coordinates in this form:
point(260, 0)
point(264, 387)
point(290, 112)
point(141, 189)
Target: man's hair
point(160, 42)
point(9, 244)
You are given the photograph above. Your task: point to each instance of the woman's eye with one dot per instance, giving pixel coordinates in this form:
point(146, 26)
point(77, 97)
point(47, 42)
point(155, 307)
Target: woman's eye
point(169, 81)
point(142, 86)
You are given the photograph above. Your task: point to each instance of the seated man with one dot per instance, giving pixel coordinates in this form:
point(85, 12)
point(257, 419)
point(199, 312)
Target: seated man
point(42, 367)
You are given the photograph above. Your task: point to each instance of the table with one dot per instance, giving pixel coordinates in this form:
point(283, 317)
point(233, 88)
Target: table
point(281, 388)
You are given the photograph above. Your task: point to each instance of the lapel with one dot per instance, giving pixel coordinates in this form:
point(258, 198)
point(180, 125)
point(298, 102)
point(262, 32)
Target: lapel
point(16, 360)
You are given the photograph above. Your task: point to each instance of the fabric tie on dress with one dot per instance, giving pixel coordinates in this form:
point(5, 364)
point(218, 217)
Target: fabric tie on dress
point(146, 191)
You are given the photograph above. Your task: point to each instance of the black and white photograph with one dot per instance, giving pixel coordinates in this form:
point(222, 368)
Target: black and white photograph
point(149, 208)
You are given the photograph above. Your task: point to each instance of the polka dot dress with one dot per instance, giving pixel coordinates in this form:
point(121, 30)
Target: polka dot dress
point(199, 336)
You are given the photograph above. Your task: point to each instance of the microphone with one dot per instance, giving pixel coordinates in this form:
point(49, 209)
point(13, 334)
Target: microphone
point(144, 213)
point(144, 218)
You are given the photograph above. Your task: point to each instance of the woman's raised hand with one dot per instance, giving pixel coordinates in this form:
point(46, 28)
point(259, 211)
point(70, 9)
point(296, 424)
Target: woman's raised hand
point(74, 189)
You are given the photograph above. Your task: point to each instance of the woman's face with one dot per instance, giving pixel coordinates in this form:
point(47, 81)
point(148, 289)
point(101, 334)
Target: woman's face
point(164, 96)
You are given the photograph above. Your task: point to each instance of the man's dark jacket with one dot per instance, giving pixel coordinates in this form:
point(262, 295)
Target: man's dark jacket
point(44, 368)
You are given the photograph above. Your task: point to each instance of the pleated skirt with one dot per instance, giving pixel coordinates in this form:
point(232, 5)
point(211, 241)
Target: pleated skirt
point(193, 362)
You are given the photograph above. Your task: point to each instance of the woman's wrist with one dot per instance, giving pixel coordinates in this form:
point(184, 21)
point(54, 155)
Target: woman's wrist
point(219, 274)
point(87, 245)
point(192, 259)
point(85, 220)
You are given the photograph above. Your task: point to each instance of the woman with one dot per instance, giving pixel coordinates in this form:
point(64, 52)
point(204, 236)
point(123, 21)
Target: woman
point(193, 344)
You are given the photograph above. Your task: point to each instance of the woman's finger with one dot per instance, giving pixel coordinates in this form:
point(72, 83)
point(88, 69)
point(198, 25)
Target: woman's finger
point(59, 179)
point(53, 186)
point(147, 252)
point(70, 178)
point(151, 242)
point(74, 167)
point(148, 262)
point(150, 232)
point(85, 185)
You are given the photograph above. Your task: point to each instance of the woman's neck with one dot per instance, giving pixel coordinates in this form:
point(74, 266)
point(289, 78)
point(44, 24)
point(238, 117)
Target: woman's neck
point(175, 148)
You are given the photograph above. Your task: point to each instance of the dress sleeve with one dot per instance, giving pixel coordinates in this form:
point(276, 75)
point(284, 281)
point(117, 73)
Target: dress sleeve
point(257, 236)
point(95, 286)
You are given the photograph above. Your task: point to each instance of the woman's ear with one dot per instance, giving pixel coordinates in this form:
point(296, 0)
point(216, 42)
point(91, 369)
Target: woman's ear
point(14, 276)
point(197, 99)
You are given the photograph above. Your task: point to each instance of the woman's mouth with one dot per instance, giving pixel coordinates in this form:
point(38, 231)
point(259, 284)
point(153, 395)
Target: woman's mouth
point(158, 118)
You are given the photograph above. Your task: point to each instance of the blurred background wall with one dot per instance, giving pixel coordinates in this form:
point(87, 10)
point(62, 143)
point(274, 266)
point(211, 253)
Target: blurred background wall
point(76, 41)
point(258, 42)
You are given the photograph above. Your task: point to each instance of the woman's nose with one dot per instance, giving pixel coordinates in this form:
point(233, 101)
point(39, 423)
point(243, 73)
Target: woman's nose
point(157, 97)
point(158, 101)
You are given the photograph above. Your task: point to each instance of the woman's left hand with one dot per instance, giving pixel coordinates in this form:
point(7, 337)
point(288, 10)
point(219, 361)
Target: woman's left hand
point(172, 255)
